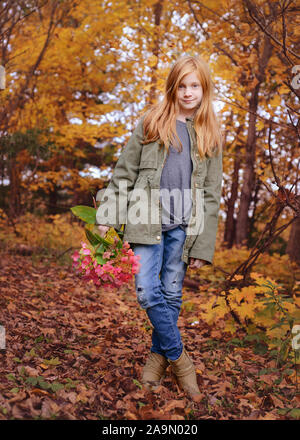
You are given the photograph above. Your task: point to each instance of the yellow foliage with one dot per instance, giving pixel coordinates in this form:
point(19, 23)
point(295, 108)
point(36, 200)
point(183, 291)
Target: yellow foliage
point(214, 309)
point(284, 89)
point(275, 101)
point(230, 326)
point(42, 235)
point(260, 124)
point(257, 302)
point(152, 60)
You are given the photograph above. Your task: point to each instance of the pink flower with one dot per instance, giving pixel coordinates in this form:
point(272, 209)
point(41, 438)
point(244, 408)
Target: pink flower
point(135, 268)
point(118, 270)
point(76, 256)
point(75, 264)
point(86, 251)
point(86, 262)
point(99, 270)
point(106, 254)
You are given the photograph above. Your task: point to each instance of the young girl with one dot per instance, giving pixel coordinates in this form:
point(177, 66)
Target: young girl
point(176, 149)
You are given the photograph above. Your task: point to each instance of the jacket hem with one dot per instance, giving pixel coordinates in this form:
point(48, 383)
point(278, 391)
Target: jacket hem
point(137, 240)
point(201, 256)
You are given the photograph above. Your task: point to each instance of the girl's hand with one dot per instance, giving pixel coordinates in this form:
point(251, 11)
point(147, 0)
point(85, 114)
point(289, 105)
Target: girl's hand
point(103, 229)
point(195, 263)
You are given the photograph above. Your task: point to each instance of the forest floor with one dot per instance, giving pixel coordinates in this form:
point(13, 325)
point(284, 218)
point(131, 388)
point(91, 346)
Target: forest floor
point(76, 352)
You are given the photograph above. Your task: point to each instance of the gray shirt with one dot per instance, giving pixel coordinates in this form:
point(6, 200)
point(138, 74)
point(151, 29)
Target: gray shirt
point(175, 183)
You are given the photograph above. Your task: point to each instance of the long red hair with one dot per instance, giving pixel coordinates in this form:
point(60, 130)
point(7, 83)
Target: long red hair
point(160, 118)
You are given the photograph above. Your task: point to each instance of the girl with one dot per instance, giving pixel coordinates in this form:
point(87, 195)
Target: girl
point(176, 148)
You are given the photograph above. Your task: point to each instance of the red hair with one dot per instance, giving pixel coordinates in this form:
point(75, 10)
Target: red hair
point(160, 119)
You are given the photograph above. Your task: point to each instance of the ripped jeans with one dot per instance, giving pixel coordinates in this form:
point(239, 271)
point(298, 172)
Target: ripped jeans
point(159, 289)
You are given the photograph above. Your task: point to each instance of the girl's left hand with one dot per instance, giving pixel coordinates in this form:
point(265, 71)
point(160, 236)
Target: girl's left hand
point(195, 263)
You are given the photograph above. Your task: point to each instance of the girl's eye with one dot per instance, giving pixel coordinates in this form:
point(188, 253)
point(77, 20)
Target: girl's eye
point(182, 86)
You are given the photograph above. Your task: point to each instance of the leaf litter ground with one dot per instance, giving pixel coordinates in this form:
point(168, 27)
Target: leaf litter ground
point(75, 352)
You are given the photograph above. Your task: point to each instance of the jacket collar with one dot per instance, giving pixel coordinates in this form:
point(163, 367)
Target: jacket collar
point(190, 119)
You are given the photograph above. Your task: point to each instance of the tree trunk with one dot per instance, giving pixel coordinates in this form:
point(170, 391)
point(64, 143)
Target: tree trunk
point(52, 207)
point(14, 206)
point(293, 246)
point(242, 224)
point(158, 8)
point(230, 224)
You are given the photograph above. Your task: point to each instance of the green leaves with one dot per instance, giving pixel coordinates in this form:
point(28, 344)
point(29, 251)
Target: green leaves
point(43, 384)
point(94, 238)
point(100, 259)
point(11, 377)
point(35, 381)
point(137, 383)
point(260, 348)
point(88, 215)
point(14, 390)
point(52, 361)
point(294, 412)
point(31, 353)
point(85, 213)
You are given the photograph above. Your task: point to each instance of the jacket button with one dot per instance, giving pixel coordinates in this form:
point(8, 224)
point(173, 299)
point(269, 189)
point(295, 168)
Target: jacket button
point(158, 237)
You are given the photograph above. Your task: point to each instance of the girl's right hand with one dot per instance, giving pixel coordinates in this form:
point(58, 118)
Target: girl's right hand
point(103, 229)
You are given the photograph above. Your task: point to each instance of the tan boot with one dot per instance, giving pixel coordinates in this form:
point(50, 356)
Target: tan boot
point(184, 370)
point(154, 370)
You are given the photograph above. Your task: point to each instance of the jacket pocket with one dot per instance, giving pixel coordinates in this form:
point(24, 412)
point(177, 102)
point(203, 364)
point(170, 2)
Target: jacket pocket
point(147, 170)
point(149, 156)
point(146, 164)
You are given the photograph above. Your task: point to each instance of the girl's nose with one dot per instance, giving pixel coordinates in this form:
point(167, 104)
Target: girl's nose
point(187, 92)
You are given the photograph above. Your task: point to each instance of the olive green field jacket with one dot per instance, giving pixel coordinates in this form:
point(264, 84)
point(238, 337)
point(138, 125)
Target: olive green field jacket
point(139, 169)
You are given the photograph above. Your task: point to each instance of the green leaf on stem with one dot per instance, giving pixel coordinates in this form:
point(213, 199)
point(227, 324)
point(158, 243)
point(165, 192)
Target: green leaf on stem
point(95, 239)
point(99, 250)
point(100, 259)
point(85, 213)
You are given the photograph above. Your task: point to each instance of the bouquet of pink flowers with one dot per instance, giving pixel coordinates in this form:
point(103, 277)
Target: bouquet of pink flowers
point(108, 262)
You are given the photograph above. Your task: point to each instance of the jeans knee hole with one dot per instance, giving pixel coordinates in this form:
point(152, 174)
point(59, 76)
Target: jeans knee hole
point(140, 293)
point(174, 283)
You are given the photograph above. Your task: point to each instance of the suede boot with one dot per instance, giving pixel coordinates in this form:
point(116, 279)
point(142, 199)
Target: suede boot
point(184, 370)
point(154, 370)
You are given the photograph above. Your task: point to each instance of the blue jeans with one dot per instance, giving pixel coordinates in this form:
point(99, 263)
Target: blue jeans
point(159, 289)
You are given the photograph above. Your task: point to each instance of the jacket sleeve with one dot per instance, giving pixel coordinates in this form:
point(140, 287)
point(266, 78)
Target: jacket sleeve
point(204, 244)
point(112, 210)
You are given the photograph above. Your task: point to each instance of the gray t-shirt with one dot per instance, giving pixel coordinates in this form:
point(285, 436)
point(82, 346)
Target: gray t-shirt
point(175, 183)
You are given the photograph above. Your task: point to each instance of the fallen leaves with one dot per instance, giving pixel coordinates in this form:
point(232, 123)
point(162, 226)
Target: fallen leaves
point(75, 352)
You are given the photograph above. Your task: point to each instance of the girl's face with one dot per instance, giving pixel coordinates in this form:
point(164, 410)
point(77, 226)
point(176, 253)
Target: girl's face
point(189, 94)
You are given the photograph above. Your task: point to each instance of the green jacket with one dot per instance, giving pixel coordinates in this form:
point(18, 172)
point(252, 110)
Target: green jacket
point(139, 168)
